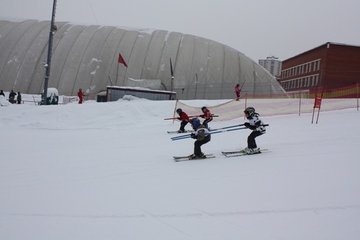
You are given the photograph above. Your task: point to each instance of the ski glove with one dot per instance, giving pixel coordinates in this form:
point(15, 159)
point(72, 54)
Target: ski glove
point(247, 125)
point(193, 136)
point(179, 118)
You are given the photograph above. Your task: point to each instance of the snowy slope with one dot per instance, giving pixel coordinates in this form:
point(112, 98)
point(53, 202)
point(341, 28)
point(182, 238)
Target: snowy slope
point(105, 171)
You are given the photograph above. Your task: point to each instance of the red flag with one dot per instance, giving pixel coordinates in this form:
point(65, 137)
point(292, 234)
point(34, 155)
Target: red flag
point(122, 61)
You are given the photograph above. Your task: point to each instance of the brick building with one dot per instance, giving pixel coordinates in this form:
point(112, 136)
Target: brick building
point(329, 66)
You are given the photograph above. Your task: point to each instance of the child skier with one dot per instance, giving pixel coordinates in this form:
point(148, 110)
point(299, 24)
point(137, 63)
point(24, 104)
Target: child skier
point(237, 91)
point(257, 127)
point(184, 118)
point(207, 115)
point(202, 136)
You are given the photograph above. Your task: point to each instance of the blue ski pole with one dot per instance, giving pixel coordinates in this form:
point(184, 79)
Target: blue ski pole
point(211, 131)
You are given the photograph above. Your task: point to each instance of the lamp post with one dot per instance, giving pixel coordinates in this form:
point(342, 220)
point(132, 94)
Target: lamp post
point(53, 29)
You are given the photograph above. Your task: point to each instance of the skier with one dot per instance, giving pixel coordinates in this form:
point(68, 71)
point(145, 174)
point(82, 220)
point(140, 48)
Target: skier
point(12, 95)
point(237, 91)
point(202, 136)
point(207, 115)
point(184, 118)
point(18, 98)
point(257, 127)
point(81, 96)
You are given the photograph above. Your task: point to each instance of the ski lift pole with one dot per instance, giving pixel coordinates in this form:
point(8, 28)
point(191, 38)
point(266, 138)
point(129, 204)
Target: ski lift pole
point(196, 84)
point(53, 29)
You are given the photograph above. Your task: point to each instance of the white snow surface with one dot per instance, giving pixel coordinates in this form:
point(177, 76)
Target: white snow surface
point(105, 171)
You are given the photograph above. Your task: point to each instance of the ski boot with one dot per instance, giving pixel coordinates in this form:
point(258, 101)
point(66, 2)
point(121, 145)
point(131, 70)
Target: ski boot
point(250, 151)
point(193, 156)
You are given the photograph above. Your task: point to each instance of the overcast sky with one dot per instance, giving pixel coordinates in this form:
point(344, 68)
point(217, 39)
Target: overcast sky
point(281, 28)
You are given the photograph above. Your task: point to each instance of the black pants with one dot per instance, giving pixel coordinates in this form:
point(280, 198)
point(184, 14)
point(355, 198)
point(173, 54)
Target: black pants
point(182, 125)
point(251, 139)
point(197, 145)
point(205, 123)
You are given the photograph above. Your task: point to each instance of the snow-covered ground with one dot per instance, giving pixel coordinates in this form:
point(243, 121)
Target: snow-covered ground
point(105, 171)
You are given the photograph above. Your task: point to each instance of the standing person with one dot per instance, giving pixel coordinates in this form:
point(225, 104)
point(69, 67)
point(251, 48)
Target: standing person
point(12, 95)
point(207, 115)
point(202, 136)
point(184, 118)
point(18, 98)
point(2, 93)
point(257, 127)
point(237, 91)
point(81, 96)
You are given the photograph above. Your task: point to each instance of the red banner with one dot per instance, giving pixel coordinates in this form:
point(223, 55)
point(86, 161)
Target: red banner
point(317, 102)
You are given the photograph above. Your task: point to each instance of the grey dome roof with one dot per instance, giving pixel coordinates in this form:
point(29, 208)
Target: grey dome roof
point(86, 56)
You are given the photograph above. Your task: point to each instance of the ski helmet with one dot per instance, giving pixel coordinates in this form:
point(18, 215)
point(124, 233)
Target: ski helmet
point(195, 122)
point(203, 109)
point(250, 111)
point(179, 110)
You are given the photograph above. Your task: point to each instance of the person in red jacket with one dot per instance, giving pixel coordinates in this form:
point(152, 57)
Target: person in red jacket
point(237, 91)
point(207, 115)
point(184, 118)
point(81, 96)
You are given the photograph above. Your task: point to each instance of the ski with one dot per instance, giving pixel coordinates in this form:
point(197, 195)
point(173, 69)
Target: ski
point(176, 132)
point(186, 158)
point(240, 153)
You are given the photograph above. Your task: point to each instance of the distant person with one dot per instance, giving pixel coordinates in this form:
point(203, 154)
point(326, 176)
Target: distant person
point(184, 118)
point(207, 115)
point(2, 93)
point(237, 91)
point(18, 98)
point(81, 96)
point(202, 136)
point(12, 95)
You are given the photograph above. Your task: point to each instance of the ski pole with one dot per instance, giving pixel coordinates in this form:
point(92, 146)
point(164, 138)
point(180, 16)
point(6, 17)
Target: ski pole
point(173, 118)
point(214, 132)
point(177, 118)
point(234, 126)
point(228, 130)
point(218, 130)
point(211, 131)
point(226, 127)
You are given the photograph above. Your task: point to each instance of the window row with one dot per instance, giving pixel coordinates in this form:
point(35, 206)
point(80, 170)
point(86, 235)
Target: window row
point(301, 82)
point(301, 69)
